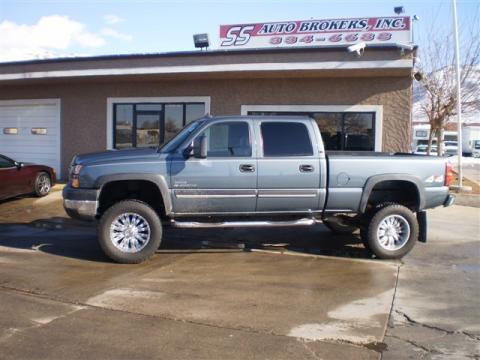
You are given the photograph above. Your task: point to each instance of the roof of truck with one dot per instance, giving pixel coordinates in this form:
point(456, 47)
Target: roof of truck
point(256, 117)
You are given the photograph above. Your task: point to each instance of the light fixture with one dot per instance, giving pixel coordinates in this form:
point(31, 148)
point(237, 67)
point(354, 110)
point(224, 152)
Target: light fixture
point(201, 41)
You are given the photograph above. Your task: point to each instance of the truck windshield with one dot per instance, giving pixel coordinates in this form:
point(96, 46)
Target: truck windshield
point(477, 144)
point(175, 142)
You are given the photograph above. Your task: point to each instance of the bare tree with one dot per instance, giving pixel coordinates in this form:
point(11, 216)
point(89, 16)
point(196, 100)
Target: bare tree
point(436, 67)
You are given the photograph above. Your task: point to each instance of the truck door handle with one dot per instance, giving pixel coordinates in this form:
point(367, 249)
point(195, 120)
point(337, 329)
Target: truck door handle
point(247, 168)
point(306, 168)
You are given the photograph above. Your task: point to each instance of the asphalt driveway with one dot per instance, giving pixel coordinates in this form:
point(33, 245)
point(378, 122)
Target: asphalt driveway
point(239, 294)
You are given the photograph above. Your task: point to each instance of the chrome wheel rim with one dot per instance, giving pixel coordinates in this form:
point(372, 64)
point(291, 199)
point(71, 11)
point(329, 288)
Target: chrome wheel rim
point(393, 232)
point(130, 232)
point(44, 184)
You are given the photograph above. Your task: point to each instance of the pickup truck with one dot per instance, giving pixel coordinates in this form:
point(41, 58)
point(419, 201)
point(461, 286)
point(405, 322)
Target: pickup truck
point(254, 171)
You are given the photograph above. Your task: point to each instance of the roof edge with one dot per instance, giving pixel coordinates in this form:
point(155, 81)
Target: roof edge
point(216, 52)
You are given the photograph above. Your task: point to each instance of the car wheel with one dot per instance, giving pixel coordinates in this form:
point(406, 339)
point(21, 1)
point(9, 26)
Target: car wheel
point(392, 232)
point(43, 184)
point(130, 232)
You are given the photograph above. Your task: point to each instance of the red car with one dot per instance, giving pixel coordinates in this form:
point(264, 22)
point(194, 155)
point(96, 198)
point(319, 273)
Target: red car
point(18, 178)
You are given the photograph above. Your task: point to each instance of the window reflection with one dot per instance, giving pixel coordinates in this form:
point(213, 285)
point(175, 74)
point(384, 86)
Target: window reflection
point(173, 120)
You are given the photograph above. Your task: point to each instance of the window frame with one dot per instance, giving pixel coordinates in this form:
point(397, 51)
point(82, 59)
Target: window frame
point(135, 113)
point(311, 115)
point(291, 109)
point(110, 113)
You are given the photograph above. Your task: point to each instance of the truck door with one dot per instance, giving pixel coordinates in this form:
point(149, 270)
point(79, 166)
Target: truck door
point(226, 180)
point(288, 167)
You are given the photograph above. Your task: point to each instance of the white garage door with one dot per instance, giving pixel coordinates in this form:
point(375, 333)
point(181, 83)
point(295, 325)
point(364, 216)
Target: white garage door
point(30, 131)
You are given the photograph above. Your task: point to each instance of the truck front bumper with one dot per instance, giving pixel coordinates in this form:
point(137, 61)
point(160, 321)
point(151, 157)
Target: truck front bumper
point(80, 204)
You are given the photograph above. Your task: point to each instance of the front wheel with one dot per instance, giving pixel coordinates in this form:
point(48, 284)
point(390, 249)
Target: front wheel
point(130, 232)
point(392, 232)
point(43, 184)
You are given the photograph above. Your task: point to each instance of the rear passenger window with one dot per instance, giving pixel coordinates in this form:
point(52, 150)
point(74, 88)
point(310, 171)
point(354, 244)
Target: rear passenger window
point(286, 139)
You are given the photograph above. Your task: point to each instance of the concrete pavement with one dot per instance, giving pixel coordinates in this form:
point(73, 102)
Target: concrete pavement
point(436, 312)
point(266, 294)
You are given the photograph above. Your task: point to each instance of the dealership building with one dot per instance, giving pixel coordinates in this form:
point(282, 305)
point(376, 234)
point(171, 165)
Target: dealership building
point(361, 97)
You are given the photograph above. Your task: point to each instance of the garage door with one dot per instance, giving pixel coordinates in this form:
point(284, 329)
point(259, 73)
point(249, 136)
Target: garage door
point(30, 131)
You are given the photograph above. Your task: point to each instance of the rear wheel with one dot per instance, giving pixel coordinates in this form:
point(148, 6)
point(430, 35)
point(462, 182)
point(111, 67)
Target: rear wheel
point(391, 232)
point(43, 184)
point(130, 232)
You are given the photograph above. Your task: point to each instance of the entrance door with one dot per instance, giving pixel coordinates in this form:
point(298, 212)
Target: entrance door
point(225, 181)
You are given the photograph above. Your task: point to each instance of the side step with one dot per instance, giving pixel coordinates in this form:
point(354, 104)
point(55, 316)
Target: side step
point(231, 224)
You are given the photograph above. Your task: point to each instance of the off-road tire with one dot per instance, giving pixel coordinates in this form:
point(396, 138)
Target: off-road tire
point(43, 184)
point(371, 231)
point(129, 207)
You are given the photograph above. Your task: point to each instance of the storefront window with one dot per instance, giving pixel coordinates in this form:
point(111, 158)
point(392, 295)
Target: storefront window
point(173, 120)
point(123, 126)
point(148, 129)
point(330, 125)
point(343, 131)
point(151, 124)
point(194, 112)
point(358, 131)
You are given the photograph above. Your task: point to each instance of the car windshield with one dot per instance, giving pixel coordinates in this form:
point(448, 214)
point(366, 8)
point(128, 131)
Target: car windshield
point(176, 141)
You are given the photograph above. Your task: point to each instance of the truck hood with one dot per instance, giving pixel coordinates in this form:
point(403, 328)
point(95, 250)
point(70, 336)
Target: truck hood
point(116, 155)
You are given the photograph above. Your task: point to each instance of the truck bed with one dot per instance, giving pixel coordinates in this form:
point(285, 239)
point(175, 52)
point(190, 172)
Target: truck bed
point(348, 173)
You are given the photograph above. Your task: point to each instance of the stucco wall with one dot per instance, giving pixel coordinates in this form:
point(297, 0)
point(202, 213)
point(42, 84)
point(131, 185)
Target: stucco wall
point(84, 104)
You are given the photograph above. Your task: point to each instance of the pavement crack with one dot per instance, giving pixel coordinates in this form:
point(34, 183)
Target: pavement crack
point(418, 346)
point(411, 321)
point(392, 306)
point(313, 353)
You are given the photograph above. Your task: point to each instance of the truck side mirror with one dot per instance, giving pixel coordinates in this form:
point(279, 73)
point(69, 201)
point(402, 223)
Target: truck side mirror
point(200, 147)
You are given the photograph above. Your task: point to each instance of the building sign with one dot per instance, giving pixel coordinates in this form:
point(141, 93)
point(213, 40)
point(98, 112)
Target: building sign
point(375, 30)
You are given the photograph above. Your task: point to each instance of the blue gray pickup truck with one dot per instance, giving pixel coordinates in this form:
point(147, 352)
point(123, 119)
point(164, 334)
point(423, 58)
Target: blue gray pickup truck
point(254, 172)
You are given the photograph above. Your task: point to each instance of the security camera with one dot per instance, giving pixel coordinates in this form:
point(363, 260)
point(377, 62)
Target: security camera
point(403, 46)
point(357, 48)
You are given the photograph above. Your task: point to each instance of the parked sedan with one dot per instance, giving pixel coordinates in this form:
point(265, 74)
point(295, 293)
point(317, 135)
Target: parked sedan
point(17, 178)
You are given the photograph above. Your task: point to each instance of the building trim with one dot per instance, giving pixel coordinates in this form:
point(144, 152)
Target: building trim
point(167, 99)
point(214, 68)
point(50, 101)
point(377, 109)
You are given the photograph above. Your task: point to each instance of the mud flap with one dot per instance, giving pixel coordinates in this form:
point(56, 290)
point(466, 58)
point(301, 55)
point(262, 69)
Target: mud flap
point(422, 226)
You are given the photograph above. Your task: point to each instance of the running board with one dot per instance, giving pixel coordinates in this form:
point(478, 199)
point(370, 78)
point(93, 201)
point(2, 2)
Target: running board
point(231, 224)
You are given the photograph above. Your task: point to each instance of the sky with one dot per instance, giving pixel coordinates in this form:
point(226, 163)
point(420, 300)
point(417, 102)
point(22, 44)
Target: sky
point(41, 29)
